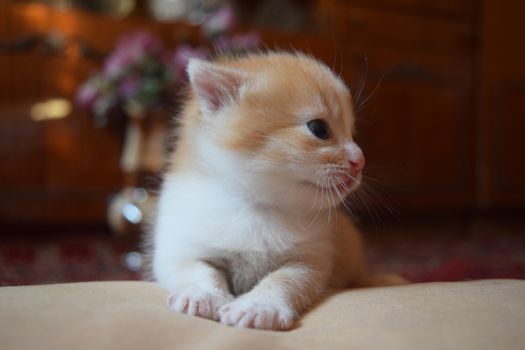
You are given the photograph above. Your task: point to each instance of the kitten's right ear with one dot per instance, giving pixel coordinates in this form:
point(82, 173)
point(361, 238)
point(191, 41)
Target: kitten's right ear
point(215, 86)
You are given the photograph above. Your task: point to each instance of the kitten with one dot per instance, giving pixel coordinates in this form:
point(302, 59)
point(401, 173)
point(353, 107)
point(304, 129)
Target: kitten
point(250, 230)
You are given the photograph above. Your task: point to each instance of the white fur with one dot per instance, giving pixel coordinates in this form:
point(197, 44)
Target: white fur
point(248, 241)
point(198, 218)
point(208, 219)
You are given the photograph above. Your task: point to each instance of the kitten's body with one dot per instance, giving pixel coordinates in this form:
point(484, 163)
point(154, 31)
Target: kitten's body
point(249, 230)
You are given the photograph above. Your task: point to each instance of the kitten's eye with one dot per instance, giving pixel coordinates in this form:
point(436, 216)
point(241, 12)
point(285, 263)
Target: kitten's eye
point(319, 128)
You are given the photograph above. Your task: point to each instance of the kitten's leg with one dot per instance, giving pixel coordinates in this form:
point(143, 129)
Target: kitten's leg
point(196, 288)
point(276, 300)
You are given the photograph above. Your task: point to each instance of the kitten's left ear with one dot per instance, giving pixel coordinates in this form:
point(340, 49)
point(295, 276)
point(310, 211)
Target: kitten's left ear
point(215, 86)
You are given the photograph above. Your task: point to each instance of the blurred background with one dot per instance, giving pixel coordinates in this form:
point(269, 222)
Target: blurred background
point(88, 94)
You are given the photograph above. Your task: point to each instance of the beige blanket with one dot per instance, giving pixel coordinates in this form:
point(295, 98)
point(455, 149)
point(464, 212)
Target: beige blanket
point(132, 315)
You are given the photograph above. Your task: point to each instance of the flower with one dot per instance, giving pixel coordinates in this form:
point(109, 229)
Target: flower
point(88, 92)
point(131, 50)
point(237, 43)
point(220, 22)
point(140, 74)
point(129, 86)
point(178, 60)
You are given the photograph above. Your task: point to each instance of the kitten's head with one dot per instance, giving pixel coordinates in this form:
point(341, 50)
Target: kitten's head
point(279, 125)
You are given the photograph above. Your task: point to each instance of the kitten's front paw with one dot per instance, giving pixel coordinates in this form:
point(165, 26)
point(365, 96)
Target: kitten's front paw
point(197, 302)
point(249, 313)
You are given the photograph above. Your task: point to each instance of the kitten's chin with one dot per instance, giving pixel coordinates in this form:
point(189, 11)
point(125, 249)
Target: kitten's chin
point(347, 184)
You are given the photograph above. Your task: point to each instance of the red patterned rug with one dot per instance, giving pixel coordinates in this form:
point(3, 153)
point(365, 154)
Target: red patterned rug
point(434, 259)
point(85, 257)
point(420, 253)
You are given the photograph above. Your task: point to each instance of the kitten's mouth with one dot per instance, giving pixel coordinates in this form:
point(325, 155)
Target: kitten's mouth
point(344, 183)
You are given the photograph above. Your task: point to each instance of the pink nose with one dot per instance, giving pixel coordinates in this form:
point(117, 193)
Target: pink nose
point(356, 159)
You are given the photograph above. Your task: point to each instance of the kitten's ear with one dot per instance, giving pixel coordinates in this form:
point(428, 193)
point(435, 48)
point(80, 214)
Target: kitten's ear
point(214, 85)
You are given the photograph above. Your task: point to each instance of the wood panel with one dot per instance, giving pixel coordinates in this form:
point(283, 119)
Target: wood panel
point(508, 158)
point(418, 131)
point(53, 171)
point(362, 27)
point(463, 10)
point(502, 113)
point(418, 128)
point(59, 171)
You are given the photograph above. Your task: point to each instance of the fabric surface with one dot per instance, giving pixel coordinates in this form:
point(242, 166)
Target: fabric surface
point(130, 315)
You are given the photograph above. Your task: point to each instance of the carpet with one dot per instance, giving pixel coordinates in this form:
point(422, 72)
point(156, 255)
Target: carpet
point(421, 252)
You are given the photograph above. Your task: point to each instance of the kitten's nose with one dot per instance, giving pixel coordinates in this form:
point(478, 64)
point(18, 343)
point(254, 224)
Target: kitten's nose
point(356, 159)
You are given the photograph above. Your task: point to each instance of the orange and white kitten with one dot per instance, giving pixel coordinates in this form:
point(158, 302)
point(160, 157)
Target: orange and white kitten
point(249, 229)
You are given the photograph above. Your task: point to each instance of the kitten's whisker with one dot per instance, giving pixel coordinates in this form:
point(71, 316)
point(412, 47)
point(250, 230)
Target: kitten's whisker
point(347, 173)
point(381, 183)
point(343, 199)
point(387, 201)
point(316, 190)
point(358, 197)
point(317, 186)
point(333, 189)
point(317, 179)
point(371, 204)
point(376, 204)
point(362, 104)
point(362, 82)
point(374, 185)
point(359, 201)
point(328, 199)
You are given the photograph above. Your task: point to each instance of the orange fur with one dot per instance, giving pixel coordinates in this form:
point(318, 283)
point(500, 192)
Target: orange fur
point(294, 88)
point(250, 229)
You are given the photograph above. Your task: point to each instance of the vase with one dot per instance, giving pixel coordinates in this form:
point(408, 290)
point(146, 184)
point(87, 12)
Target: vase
point(143, 155)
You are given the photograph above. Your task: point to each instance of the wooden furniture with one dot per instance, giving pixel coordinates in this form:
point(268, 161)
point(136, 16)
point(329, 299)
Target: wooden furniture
point(445, 80)
point(441, 129)
point(419, 127)
point(500, 105)
point(58, 171)
point(52, 171)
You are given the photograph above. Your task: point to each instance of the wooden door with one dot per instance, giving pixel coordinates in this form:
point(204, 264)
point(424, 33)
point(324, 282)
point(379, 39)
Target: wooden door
point(418, 128)
point(501, 105)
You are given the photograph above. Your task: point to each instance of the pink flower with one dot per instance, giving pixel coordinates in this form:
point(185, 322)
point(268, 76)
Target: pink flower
point(235, 43)
point(117, 62)
point(248, 41)
point(146, 42)
point(179, 59)
point(220, 22)
point(131, 49)
point(129, 86)
point(88, 93)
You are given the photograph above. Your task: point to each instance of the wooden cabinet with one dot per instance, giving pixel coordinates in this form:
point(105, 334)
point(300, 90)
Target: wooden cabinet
point(501, 106)
point(54, 171)
point(418, 129)
point(463, 10)
point(58, 171)
point(447, 117)
point(441, 131)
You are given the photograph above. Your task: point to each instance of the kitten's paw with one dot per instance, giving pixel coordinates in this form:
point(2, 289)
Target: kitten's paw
point(197, 302)
point(249, 313)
